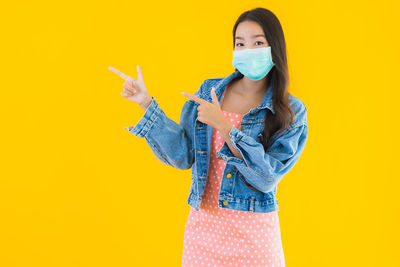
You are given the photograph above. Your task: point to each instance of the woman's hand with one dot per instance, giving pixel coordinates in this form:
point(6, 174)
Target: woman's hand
point(134, 90)
point(210, 113)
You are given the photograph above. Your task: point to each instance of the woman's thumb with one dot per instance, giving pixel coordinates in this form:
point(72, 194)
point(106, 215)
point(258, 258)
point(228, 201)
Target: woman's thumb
point(139, 72)
point(214, 96)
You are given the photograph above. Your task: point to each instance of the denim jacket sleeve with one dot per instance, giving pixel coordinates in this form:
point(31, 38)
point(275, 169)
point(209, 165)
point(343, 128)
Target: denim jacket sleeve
point(264, 169)
point(171, 143)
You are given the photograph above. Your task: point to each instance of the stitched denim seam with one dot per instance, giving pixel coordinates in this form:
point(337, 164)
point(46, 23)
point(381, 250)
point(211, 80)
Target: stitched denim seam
point(243, 160)
point(298, 124)
point(152, 121)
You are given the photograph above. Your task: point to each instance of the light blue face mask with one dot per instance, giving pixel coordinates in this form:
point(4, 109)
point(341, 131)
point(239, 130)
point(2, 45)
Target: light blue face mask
point(254, 63)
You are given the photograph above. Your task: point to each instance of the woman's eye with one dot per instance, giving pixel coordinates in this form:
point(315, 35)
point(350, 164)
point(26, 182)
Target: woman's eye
point(259, 42)
point(238, 44)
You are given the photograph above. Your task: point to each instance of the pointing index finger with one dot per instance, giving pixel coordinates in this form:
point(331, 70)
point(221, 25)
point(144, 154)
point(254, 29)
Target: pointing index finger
point(194, 98)
point(124, 76)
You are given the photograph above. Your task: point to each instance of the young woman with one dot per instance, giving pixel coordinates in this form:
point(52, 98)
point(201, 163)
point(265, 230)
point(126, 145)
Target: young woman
point(239, 135)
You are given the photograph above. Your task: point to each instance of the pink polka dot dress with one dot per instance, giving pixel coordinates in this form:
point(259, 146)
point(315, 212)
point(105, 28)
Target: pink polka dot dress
point(215, 236)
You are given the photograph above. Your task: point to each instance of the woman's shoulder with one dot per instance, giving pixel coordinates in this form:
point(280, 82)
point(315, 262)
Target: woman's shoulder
point(299, 109)
point(210, 82)
point(206, 86)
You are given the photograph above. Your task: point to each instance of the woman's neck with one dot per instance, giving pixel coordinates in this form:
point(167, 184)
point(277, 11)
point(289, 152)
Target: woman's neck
point(246, 86)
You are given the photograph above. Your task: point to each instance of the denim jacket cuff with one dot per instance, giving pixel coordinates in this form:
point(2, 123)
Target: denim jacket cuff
point(146, 121)
point(225, 152)
point(235, 135)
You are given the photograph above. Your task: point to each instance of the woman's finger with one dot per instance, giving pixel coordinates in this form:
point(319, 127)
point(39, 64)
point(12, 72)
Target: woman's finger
point(194, 98)
point(139, 72)
point(214, 97)
point(130, 89)
point(127, 92)
point(122, 75)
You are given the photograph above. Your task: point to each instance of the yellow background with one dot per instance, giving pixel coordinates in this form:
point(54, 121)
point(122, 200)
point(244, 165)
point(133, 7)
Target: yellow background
point(77, 189)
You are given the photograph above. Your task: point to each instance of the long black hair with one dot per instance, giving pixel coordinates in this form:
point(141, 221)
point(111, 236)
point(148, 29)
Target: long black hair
point(278, 76)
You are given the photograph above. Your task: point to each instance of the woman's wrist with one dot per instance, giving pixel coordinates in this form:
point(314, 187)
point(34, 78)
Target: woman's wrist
point(226, 128)
point(146, 103)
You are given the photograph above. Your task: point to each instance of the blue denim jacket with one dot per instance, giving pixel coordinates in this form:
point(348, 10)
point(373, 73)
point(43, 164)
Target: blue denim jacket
point(246, 185)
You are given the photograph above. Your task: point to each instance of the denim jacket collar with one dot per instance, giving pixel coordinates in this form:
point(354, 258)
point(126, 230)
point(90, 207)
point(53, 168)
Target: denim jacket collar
point(221, 85)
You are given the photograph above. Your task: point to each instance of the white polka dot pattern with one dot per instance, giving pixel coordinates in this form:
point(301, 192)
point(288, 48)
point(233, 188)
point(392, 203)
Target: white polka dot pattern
point(216, 236)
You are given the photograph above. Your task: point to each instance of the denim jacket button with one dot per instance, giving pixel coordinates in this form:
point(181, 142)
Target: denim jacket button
point(242, 127)
point(228, 175)
point(225, 202)
point(218, 157)
point(251, 114)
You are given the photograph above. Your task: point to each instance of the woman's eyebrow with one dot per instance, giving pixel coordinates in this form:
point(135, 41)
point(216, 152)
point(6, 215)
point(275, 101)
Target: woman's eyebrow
point(254, 36)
